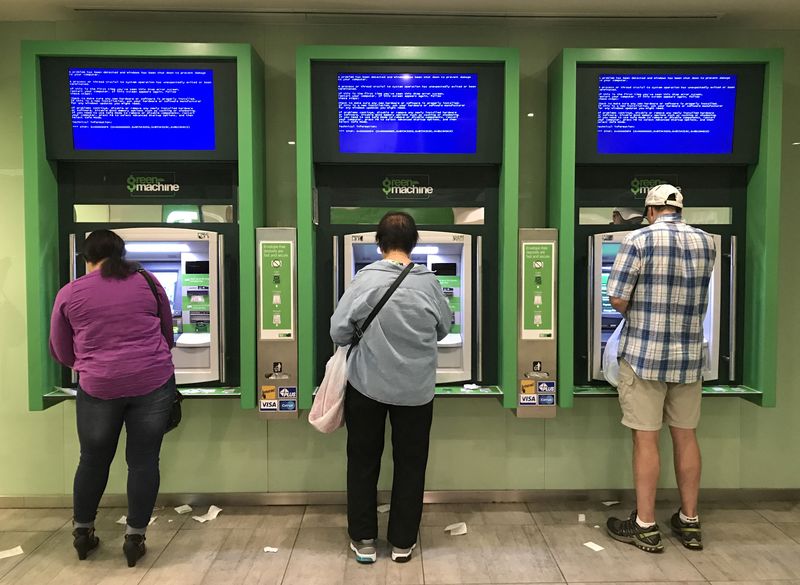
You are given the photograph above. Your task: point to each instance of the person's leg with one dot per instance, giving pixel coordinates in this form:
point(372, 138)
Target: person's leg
point(646, 469)
point(682, 414)
point(365, 419)
point(146, 420)
point(688, 464)
point(99, 424)
point(411, 429)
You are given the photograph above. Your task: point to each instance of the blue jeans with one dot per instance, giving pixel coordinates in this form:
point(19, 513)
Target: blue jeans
point(99, 425)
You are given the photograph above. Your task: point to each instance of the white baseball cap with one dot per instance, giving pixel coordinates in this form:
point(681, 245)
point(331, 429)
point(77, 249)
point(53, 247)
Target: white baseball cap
point(665, 194)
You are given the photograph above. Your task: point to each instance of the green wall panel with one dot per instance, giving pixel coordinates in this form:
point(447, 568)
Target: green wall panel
point(220, 447)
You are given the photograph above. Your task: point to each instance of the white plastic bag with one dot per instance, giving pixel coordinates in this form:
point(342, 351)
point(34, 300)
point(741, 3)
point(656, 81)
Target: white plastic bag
point(610, 363)
point(327, 412)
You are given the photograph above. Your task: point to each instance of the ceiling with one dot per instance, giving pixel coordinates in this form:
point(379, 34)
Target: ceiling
point(778, 14)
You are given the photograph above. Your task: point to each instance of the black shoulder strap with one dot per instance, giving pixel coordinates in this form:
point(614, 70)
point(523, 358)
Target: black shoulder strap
point(152, 286)
point(360, 330)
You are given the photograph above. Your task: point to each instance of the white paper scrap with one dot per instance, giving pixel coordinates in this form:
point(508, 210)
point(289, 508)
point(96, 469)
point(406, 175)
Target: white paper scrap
point(597, 526)
point(383, 508)
point(581, 517)
point(185, 509)
point(471, 386)
point(153, 519)
point(123, 520)
point(12, 552)
point(212, 513)
point(270, 549)
point(610, 503)
point(170, 520)
point(593, 546)
point(457, 529)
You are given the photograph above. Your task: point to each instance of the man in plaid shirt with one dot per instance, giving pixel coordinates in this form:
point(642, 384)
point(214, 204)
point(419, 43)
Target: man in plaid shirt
point(660, 282)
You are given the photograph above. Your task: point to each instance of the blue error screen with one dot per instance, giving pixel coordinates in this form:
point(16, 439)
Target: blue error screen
point(666, 114)
point(408, 113)
point(142, 109)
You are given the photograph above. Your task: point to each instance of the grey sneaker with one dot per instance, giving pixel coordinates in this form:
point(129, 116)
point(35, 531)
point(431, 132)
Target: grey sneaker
point(402, 555)
point(365, 550)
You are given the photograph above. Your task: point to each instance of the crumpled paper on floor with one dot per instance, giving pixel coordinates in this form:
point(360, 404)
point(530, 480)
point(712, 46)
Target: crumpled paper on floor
point(457, 529)
point(383, 508)
point(185, 509)
point(593, 546)
point(270, 549)
point(12, 552)
point(212, 513)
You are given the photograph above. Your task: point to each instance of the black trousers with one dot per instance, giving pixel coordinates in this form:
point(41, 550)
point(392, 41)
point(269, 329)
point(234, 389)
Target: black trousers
point(99, 426)
point(411, 426)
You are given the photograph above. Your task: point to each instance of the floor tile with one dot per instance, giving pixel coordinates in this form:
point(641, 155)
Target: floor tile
point(757, 551)
point(56, 563)
point(246, 517)
point(33, 519)
point(29, 541)
point(776, 512)
point(581, 564)
point(241, 558)
point(325, 517)
point(188, 558)
point(476, 514)
point(322, 556)
point(790, 529)
point(487, 554)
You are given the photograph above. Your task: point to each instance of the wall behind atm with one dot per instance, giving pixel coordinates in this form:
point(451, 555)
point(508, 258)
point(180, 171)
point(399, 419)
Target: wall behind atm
point(476, 444)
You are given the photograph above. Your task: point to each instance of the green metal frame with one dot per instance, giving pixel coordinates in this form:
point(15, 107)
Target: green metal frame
point(508, 208)
point(763, 202)
point(41, 194)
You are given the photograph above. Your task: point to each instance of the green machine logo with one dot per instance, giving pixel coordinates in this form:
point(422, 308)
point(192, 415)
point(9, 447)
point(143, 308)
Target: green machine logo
point(641, 185)
point(147, 184)
point(407, 187)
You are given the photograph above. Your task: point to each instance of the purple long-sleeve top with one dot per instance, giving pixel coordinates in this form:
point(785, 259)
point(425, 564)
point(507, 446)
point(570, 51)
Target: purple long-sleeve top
point(108, 330)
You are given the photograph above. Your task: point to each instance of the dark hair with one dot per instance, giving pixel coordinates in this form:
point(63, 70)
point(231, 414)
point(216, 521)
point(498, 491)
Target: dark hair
point(106, 245)
point(397, 231)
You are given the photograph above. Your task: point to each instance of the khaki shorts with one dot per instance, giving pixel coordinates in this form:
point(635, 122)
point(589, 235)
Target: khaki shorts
point(647, 403)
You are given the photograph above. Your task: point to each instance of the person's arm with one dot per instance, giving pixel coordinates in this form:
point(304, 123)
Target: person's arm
point(165, 311)
point(61, 347)
point(624, 275)
point(351, 309)
point(445, 319)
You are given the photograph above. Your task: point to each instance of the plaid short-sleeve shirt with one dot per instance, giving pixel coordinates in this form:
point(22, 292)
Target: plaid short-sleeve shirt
point(663, 271)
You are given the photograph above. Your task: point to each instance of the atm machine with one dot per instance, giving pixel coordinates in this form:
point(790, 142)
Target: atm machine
point(603, 319)
point(448, 255)
point(188, 265)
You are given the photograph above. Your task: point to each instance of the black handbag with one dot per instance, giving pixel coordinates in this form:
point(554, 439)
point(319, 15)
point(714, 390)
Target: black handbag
point(175, 413)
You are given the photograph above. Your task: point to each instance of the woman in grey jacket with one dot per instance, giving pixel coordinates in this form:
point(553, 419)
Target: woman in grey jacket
point(392, 370)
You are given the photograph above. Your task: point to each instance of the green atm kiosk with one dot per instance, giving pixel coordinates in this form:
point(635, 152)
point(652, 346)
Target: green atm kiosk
point(162, 143)
point(432, 132)
point(705, 121)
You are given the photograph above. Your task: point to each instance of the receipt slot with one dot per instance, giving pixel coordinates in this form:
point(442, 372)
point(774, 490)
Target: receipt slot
point(449, 257)
point(188, 265)
point(536, 353)
point(277, 323)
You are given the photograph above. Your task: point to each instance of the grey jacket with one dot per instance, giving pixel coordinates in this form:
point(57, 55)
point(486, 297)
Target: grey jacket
point(395, 362)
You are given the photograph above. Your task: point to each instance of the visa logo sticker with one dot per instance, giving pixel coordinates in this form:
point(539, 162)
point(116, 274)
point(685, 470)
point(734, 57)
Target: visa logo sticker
point(547, 386)
point(287, 391)
point(287, 406)
point(267, 405)
point(527, 399)
point(547, 399)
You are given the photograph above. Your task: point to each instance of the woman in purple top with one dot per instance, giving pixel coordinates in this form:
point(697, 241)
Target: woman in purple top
point(105, 326)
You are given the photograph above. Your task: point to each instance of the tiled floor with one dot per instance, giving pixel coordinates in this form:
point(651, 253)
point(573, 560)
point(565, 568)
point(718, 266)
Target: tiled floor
point(746, 543)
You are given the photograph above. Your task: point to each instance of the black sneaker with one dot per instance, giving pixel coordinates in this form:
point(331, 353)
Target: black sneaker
point(84, 541)
point(687, 532)
point(628, 531)
point(134, 548)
